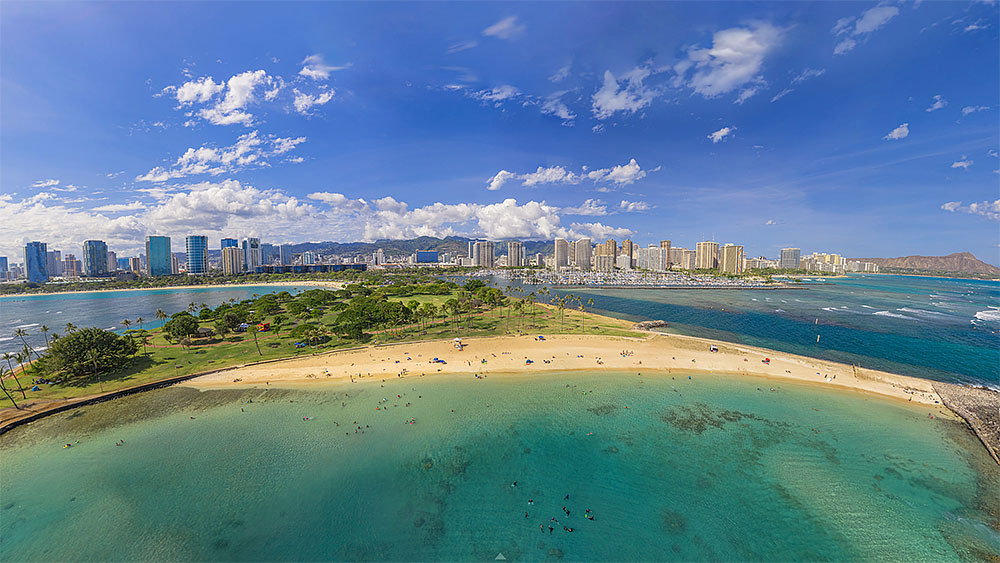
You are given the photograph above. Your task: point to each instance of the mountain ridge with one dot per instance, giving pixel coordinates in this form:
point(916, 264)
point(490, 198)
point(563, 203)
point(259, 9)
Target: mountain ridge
point(958, 262)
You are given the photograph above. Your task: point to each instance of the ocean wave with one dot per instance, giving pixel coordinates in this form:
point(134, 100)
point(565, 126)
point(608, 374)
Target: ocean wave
point(779, 310)
point(29, 325)
point(991, 314)
point(893, 315)
point(868, 307)
point(922, 312)
point(6, 338)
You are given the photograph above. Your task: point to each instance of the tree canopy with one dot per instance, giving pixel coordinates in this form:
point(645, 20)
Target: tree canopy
point(83, 351)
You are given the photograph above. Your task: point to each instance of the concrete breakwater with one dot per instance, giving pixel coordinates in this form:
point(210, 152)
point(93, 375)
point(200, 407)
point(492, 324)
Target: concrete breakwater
point(980, 408)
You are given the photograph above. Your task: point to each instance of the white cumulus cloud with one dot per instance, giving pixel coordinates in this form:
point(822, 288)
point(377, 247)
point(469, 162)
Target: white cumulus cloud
point(627, 94)
point(304, 102)
point(633, 206)
point(939, 102)
point(973, 109)
point(721, 134)
point(249, 150)
point(734, 60)
point(900, 132)
point(964, 163)
point(622, 174)
point(988, 209)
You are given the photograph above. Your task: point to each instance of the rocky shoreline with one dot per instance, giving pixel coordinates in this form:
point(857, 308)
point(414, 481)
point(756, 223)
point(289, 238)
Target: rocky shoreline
point(979, 407)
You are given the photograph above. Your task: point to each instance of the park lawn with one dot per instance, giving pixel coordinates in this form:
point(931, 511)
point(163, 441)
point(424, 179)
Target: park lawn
point(165, 360)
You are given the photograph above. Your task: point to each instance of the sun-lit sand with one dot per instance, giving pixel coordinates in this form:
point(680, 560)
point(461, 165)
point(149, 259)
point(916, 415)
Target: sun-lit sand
point(649, 354)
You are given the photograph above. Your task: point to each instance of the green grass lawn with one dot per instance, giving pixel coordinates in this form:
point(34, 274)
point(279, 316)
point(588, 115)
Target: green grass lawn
point(165, 360)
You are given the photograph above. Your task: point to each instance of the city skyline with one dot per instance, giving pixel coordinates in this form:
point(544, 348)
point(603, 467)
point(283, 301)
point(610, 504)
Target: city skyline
point(851, 126)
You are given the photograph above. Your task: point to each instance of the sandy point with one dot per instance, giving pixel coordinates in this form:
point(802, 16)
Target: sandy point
point(505, 356)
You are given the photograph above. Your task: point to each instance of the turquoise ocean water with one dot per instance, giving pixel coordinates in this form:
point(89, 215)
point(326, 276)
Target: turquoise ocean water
point(704, 469)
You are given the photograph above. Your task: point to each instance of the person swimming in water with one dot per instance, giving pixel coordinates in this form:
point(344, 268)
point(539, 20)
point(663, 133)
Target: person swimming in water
point(567, 529)
point(514, 484)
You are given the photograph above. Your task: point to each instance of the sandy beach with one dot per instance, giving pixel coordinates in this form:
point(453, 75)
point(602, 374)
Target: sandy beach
point(648, 353)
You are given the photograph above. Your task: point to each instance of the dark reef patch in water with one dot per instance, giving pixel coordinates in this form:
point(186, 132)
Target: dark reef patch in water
point(603, 410)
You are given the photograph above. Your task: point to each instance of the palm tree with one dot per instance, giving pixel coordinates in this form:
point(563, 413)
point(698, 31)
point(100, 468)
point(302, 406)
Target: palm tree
point(144, 338)
point(93, 358)
point(252, 321)
point(140, 320)
point(126, 323)
point(591, 303)
point(70, 327)
point(160, 314)
point(561, 304)
point(20, 358)
point(45, 331)
point(192, 307)
point(5, 392)
point(22, 333)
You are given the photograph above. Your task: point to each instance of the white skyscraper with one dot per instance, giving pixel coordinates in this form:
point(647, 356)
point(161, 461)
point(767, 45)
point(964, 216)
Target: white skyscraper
point(251, 254)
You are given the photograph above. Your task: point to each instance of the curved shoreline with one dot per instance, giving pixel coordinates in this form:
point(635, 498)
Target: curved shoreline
point(507, 356)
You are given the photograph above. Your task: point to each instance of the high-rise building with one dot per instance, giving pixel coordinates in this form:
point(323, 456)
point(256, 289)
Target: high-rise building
point(176, 261)
point(628, 249)
point(197, 254)
point(228, 242)
point(53, 263)
point(232, 260)
point(34, 262)
point(267, 253)
point(583, 253)
point(561, 254)
point(607, 248)
point(665, 245)
point(731, 259)
point(676, 256)
point(112, 261)
point(308, 258)
point(483, 254)
point(790, 258)
point(623, 262)
point(515, 254)
point(285, 255)
point(72, 268)
point(689, 260)
point(379, 257)
point(158, 256)
point(135, 265)
point(251, 254)
point(3, 267)
point(123, 264)
point(95, 258)
point(707, 257)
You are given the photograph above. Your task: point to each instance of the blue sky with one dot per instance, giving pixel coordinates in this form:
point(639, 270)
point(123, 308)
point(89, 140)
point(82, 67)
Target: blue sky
point(868, 129)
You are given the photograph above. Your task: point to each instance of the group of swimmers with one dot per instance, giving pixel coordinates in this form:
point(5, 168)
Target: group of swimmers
point(588, 514)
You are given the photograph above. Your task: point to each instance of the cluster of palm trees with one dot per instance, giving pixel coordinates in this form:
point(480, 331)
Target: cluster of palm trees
point(22, 357)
